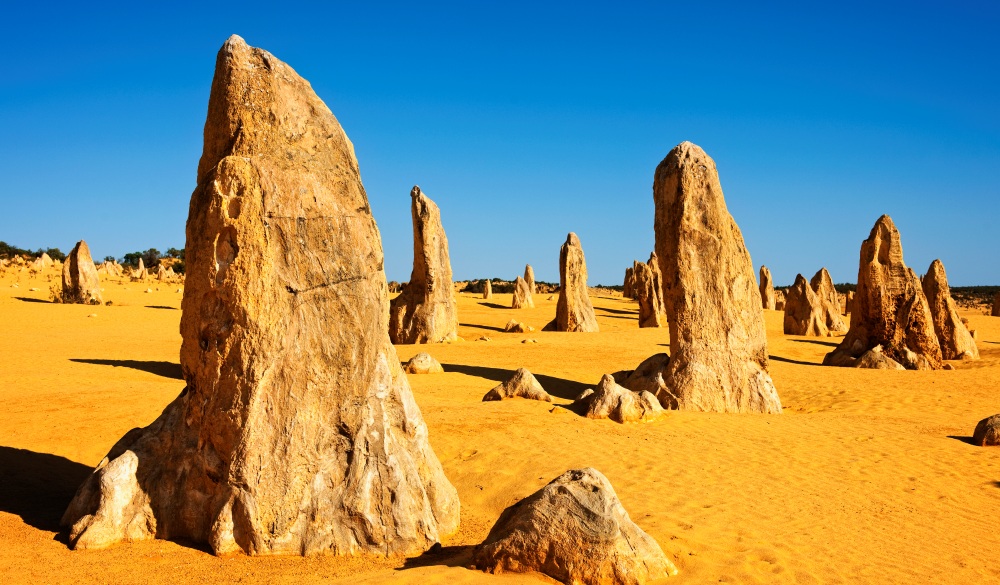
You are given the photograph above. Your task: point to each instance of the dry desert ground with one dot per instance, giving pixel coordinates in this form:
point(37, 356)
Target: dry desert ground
point(867, 476)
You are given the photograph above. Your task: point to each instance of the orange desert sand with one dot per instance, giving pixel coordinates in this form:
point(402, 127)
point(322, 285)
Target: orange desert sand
point(867, 476)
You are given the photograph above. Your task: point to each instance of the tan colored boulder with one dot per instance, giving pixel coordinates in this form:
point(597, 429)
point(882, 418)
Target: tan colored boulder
point(576, 531)
point(426, 310)
point(779, 300)
point(647, 376)
point(80, 282)
point(766, 288)
point(609, 400)
point(161, 274)
point(515, 326)
point(889, 307)
point(529, 277)
point(574, 311)
point(648, 291)
point(297, 432)
point(822, 285)
point(521, 385)
point(987, 432)
point(423, 363)
point(875, 359)
point(956, 341)
point(849, 302)
point(522, 295)
point(804, 311)
point(718, 346)
point(488, 290)
point(628, 286)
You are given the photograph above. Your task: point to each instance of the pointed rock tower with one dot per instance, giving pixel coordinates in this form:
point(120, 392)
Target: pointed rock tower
point(297, 432)
point(956, 341)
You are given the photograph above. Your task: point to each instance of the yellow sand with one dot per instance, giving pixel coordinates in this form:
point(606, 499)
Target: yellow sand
point(864, 478)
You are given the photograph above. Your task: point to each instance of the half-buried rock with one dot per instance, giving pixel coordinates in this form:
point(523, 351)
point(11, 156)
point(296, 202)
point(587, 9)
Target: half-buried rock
point(574, 311)
point(423, 363)
point(804, 311)
point(889, 307)
point(766, 288)
point(956, 341)
point(609, 400)
point(297, 432)
point(426, 310)
point(521, 385)
point(718, 347)
point(515, 326)
point(522, 298)
point(647, 376)
point(80, 282)
point(576, 531)
point(987, 432)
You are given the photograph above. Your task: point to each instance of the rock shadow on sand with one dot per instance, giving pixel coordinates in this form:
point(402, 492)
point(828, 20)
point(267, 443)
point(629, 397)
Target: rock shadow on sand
point(562, 388)
point(31, 300)
point(165, 369)
point(494, 306)
point(38, 486)
point(817, 342)
point(441, 556)
point(778, 358)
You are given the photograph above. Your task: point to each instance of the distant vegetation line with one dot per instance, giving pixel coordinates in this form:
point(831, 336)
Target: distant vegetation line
point(150, 258)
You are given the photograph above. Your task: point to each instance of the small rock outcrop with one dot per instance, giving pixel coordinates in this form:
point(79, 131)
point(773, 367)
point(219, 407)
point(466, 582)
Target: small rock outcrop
point(426, 310)
point(488, 290)
point(822, 285)
point(574, 311)
point(647, 377)
point(297, 423)
point(804, 312)
point(576, 531)
point(875, 359)
point(522, 295)
point(423, 363)
point(80, 282)
point(609, 400)
point(515, 326)
point(648, 291)
point(529, 277)
point(987, 432)
point(718, 346)
point(956, 341)
point(889, 308)
point(766, 288)
point(521, 385)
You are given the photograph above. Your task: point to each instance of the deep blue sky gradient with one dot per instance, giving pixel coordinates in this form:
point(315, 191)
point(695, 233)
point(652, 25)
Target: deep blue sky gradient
point(524, 121)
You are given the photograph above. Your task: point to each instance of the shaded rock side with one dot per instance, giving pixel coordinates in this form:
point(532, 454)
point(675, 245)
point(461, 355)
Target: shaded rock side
point(628, 285)
point(996, 306)
point(576, 531)
point(889, 307)
point(822, 285)
point(529, 277)
point(423, 363)
point(426, 310)
point(574, 311)
point(779, 300)
point(648, 292)
point(297, 432)
point(956, 341)
point(766, 288)
point(876, 359)
point(718, 346)
point(522, 298)
point(609, 400)
point(849, 303)
point(987, 432)
point(80, 282)
point(649, 376)
point(804, 311)
point(521, 385)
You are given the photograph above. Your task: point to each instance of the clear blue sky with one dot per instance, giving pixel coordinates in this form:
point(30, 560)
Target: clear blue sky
point(525, 121)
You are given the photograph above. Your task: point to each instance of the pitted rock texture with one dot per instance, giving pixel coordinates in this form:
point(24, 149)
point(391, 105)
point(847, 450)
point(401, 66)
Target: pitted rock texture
point(574, 311)
point(80, 282)
point(804, 311)
point(648, 290)
point(297, 432)
point(576, 531)
point(718, 348)
point(521, 385)
point(987, 432)
point(956, 341)
point(426, 310)
point(889, 307)
point(609, 400)
point(423, 363)
point(522, 298)
point(822, 285)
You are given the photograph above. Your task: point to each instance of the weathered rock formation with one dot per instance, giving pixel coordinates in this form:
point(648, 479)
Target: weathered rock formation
point(647, 377)
point(515, 326)
point(609, 400)
point(717, 339)
point(628, 287)
point(955, 340)
point(648, 290)
point(574, 311)
point(889, 307)
point(488, 290)
point(423, 363)
point(522, 385)
point(779, 300)
point(576, 531)
point(875, 359)
point(987, 432)
point(996, 306)
point(80, 283)
point(426, 310)
point(522, 295)
point(766, 288)
point(849, 303)
point(529, 277)
point(297, 432)
point(822, 285)
point(804, 311)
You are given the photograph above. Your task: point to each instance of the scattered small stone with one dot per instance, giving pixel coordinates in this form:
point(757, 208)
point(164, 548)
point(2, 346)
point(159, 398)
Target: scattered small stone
point(423, 363)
